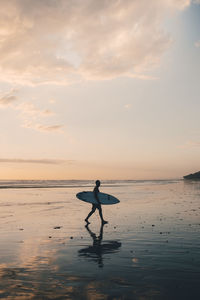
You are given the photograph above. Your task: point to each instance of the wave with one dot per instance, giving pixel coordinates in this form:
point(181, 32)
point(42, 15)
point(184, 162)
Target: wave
point(31, 184)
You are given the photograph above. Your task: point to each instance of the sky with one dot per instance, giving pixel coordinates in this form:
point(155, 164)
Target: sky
point(99, 89)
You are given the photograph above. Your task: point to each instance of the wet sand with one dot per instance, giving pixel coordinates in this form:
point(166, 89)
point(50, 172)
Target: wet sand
point(149, 250)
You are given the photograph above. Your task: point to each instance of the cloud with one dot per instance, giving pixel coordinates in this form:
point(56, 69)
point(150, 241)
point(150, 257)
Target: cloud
point(33, 161)
point(127, 106)
point(36, 161)
point(190, 144)
point(49, 128)
point(52, 101)
point(44, 128)
point(28, 108)
point(29, 113)
point(45, 41)
point(197, 44)
point(178, 4)
point(8, 98)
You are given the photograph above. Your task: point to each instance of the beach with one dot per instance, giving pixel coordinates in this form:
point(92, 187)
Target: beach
point(150, 249)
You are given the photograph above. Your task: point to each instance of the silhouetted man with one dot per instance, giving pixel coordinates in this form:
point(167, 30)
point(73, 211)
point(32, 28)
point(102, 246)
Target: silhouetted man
point(96, 206)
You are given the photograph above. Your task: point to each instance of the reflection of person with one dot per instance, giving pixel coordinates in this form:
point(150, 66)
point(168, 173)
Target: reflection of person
point(96, 206)
point(98, 249)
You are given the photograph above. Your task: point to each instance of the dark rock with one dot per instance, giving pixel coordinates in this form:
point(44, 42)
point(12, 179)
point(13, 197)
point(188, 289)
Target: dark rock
point(193, 176)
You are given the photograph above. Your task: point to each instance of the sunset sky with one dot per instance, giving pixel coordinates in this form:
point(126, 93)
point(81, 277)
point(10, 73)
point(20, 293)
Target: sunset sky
point(99, 89)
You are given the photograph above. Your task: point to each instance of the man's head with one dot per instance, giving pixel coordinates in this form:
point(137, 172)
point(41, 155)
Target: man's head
point(98, 183)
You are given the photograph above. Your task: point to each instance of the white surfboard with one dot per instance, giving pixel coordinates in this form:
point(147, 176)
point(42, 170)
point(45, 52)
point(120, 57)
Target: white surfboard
point(103, 198)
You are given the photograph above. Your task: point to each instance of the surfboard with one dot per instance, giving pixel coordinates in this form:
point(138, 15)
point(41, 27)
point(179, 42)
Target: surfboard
point(104, 198)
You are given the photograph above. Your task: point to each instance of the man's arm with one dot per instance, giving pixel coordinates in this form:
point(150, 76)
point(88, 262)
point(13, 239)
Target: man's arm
point(96, 195)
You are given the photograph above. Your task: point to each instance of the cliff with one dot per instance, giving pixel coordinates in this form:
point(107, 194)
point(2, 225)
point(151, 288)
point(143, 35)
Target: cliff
point(193, 176)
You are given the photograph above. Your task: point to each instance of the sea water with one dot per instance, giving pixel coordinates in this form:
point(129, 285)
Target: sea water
point(148, 250)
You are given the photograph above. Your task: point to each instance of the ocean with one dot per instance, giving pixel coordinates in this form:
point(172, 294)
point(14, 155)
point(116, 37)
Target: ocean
point(149, 249)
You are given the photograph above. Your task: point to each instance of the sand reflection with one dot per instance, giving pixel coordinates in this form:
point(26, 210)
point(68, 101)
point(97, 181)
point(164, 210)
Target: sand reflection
point(98, 249)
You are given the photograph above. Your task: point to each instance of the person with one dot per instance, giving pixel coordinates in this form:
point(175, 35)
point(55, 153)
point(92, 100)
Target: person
point(96, 206)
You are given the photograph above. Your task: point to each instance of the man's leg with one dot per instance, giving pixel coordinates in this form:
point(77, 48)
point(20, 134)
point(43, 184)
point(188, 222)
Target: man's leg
point(101, 215)
point(91, 213)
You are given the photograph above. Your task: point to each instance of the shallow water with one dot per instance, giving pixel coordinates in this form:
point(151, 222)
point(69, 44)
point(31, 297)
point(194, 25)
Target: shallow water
point(149, 250)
